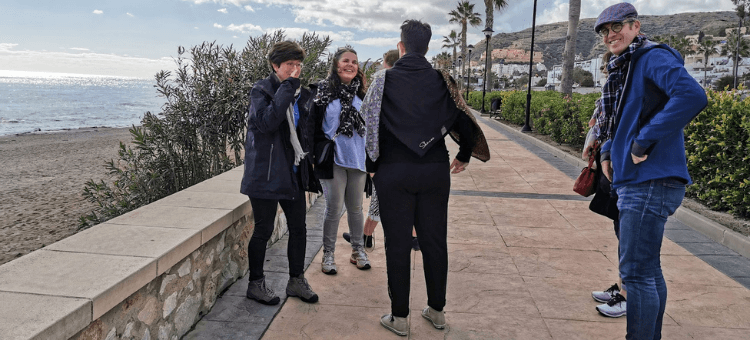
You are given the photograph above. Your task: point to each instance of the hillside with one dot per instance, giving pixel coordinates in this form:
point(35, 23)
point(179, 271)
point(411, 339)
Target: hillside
point(550, 38)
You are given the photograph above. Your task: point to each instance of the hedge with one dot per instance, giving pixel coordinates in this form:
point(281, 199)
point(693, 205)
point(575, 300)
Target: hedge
point(717, 141)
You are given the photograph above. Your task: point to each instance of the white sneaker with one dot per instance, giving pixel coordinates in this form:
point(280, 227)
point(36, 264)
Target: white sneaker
point(328, 264)
point(437, 318)
point(614, 308)
point(604, 295)
point(359, 258)
point(395, 324)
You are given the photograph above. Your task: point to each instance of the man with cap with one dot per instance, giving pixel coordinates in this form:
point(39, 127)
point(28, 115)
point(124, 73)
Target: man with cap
point(648, 99)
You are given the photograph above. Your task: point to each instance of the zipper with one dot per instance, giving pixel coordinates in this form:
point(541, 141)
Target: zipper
point(270, 162)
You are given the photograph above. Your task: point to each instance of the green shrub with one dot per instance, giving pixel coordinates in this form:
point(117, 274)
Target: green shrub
point(200, 131)
point(718, 153)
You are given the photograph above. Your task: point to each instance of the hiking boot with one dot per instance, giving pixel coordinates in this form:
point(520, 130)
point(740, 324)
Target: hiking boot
point(369, 242)
point(414, 243)
point(437, 318)
point(614, 308)
point(606, 295)
point(359, 258)
point(258, 291)
point(298, 286)
point(329, 265)
point(395, 324)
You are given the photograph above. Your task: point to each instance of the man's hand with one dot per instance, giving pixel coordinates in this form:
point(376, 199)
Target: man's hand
point(607, 170)
point(637, 159)
point(458, 166)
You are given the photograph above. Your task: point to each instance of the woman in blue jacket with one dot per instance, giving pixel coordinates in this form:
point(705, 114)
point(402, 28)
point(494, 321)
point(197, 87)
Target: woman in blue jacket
point(278, 169)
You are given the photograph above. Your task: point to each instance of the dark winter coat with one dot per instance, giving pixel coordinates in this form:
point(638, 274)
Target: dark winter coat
point(269, 154)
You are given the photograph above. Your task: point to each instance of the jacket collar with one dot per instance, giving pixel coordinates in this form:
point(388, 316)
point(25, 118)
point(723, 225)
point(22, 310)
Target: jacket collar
point(412, 61)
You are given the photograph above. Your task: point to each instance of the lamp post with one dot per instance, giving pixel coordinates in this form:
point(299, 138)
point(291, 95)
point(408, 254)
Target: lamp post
point(468, 69)
point(526, 127)
point(453, 69)
point(487, 35)
point(460, 63)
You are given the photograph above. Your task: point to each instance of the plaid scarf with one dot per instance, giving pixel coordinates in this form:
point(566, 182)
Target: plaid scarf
point(612, 90)
point(349, 119)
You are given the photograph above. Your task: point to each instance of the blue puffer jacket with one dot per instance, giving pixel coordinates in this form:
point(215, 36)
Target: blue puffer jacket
point(659, 100)
point(268, 149)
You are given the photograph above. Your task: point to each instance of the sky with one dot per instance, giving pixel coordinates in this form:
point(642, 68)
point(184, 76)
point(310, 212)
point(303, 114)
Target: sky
point(138, 38)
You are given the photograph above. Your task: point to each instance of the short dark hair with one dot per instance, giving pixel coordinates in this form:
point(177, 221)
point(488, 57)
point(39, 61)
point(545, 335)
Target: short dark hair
point(390, 57)
point(284, 51)
point(415, 35)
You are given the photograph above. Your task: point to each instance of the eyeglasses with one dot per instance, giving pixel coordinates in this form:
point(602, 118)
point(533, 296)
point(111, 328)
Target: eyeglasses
point(615, 27)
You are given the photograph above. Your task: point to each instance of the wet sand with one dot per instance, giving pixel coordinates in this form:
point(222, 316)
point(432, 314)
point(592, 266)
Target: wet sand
point(42, 180)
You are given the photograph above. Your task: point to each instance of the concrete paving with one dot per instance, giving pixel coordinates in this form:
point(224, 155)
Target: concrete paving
point(524, 255)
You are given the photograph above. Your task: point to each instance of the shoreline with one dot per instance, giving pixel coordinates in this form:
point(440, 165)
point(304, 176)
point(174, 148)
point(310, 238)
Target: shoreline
point(42, 180)
point(65, 130)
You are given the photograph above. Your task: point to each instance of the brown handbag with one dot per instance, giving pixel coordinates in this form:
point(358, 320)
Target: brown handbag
point(585, 184)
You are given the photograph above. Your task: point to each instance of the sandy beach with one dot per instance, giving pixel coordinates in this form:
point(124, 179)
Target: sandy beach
point(41, 182)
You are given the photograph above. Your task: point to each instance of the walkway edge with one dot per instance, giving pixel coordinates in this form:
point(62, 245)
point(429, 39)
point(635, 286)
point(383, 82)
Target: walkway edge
point(715, 231)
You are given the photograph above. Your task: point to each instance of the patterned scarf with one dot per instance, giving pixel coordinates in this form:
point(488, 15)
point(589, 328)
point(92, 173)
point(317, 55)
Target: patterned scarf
point(612, 89)
point(349, 119)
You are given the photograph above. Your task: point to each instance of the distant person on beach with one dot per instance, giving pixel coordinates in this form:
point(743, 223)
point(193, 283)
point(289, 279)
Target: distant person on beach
point(408, 111)
point(647, 100)
point(278, 169)
point(338, 121)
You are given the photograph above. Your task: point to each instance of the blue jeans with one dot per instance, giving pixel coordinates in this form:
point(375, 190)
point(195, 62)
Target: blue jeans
point(644, 209)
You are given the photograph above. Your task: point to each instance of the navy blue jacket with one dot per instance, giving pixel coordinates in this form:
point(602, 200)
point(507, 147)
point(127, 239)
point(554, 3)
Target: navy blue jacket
point(659, 99)
point(269, 153)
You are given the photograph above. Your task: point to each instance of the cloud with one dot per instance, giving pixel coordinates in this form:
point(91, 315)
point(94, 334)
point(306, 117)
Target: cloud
point(244, 28)
point(81, 63)
point(79, 49)
point(218, 26)
point(249, 8)
point(223, 10)
point(130, 15)
point(96, 11)
point(379, 42)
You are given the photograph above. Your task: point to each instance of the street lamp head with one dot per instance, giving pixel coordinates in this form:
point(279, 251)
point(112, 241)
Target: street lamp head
point(470, 48)
point(460, 58)
point(488, 32)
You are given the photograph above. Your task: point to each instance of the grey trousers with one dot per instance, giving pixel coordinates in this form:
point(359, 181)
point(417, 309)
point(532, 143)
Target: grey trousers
point(345, 188)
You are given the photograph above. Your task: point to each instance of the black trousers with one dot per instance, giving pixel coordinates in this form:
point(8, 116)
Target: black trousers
point(414, 195)
point(264, 211)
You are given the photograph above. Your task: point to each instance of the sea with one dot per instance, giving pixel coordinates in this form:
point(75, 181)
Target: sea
point(43, 102)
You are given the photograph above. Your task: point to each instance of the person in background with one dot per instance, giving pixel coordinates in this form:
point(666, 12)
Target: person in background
point(648, 99)
point(337, 103)
point(278, 169)
point(408, 111)
point(373, 215)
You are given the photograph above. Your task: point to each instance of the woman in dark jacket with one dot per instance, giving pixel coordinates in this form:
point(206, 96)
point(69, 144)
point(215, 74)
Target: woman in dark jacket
point(278, 169)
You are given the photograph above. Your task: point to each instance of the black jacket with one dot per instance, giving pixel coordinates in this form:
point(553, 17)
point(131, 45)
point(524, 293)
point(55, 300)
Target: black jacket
point(269, 154)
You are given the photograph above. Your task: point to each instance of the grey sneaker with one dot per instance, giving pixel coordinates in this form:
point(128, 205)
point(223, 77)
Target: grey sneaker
point(437, 318)
point(605, 295)
point(614, 308)
point(329, 264)
point(298, 286)
point(395, 324)
point(258, 291)
point(359, 258)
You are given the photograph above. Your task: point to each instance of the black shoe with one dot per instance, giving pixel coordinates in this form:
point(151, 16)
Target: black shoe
point(369, 242)
point(348, 237)
point(414, 243)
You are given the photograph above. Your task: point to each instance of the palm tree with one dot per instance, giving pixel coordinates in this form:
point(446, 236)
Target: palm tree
point(680, 44)
point(489, 11)
point(442, 60)
point(574, 13)
point(464, 14)
point(452, 41)
point(732, 46)
point(743, 6)
point(706, 48)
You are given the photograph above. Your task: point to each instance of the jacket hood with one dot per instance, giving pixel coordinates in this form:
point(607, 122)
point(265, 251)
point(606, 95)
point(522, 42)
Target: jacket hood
point(649, 45)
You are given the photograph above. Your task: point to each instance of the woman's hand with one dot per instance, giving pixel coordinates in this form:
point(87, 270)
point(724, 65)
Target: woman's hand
point(607, 170)
point(458, 166)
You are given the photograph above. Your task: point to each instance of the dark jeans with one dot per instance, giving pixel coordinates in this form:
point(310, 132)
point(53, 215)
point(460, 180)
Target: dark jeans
point(264, 211)
point(644, 209)
point(414, 195)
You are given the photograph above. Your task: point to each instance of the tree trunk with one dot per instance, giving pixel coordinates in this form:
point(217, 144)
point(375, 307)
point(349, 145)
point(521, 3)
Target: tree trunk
point(574, 13)
point(464, 54)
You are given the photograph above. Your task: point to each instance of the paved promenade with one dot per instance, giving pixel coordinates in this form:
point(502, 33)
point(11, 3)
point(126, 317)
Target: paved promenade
point(524, 255)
